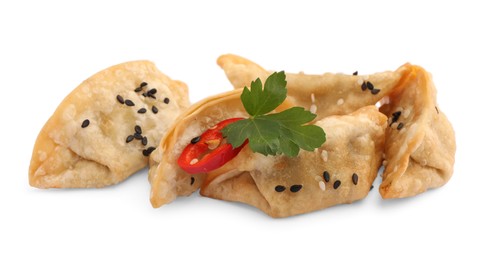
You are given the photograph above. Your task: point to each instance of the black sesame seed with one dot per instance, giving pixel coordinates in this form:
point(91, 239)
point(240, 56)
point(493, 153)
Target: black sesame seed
point(147, 152)
point(355, 73)
point(120, 99)
point(371, 187)
point(166, 100)
point(143, 84)
point(138, 136)
point(151, 93)
point(141, 111)
point(85, 123)
point(144, 141)
point(139, 89)
point(192, 180)
point(395, 116)
point(363, 86)
point(326, 176)
point(138, 129)
point(129, 138)
point(195, 140)
point(129, 103)
point(437, 110)
point(279, 188)
point(375, 91)
point(369, 85)
point(154, 109)
point(144, 95)
point(400, 126)
point(355, 179)
point(295, 188)
point(336, 184)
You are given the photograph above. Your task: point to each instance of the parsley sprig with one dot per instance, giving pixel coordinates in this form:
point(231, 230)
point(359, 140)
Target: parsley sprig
point(278, 133)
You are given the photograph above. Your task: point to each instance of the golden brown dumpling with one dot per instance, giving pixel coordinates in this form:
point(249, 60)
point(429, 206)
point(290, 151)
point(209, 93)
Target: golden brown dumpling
point(324, 95)
point(167, 179)
point(420, 146)
point(341, 171)
point(103, 131)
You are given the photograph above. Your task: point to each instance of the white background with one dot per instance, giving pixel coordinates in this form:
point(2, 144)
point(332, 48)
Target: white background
point(47, 48)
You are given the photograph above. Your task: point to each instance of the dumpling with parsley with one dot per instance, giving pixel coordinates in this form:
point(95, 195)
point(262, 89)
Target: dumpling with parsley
point(323, 94)
point(106, 128)
point(256, 147)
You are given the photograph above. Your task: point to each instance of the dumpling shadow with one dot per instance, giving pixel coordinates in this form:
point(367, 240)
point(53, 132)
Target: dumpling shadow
point(398, 202)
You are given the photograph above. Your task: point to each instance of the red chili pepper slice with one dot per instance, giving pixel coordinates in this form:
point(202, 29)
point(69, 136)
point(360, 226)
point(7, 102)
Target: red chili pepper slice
point(209, 151)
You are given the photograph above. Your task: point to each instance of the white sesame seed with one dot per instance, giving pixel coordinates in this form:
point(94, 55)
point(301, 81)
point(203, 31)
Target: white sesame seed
point(340, 102)
point(360, 81)
point(394, 126)
point(313, 108)
point(322, 185)
point(193, 161)
point(317, 178)
point(313, 98)
point(324, 155)
point(423, 162)
point(406, 113)
point(384, 162)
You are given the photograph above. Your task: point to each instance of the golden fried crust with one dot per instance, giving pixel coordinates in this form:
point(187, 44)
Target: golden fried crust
point(351, 155)
point(70, 154)
point(167, 179)
point(333, 94)
point(420, 154)
point(420, 147)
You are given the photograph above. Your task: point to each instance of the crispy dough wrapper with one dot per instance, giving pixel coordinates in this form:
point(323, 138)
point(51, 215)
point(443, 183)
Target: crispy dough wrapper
point(420, 146)
point(354, 146)
point(68, 155)
point(351, 155)
point(167, 179)
point(334, 94)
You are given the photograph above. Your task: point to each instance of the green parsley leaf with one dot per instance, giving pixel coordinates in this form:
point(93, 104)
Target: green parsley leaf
point(272, 134)
point(258, 101)
point(307, 137)
point(262, 134)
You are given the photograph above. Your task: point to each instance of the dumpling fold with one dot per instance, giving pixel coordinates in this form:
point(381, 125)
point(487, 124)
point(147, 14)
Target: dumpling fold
point(326, 94)
point(340, 171)
point(420, 141)
point(106, 128)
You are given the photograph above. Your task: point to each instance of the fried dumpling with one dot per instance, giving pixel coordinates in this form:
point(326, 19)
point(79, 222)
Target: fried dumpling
point(167, 179)
point(342, 170)
point(420, 141)
point(105, 129)
point(324, 95)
